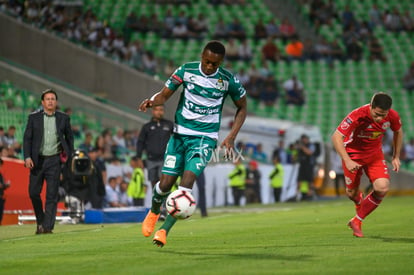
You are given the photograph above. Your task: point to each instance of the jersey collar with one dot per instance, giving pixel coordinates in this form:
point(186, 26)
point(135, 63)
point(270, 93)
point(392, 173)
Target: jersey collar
point(205, 75)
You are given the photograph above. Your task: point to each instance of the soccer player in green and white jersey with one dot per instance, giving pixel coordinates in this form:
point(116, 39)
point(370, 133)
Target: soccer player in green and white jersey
point(197, 119)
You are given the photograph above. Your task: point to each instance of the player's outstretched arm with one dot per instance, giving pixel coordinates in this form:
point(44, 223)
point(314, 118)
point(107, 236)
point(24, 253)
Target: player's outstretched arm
point(239, 119)
point(158, 99)
point(397, 145)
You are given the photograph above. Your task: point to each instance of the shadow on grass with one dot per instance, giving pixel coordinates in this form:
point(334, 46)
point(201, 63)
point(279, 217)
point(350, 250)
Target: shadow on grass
point(239, 255)
point(393, 239)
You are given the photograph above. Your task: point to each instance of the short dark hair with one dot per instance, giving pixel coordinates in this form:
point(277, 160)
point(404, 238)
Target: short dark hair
point(215, 47)
point(381, 100)
point(48, 91)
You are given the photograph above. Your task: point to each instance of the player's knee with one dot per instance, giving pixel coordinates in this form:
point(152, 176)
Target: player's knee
point(381, 186)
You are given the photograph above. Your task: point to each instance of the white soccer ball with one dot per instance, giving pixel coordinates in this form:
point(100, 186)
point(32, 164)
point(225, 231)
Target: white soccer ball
point(181, 204)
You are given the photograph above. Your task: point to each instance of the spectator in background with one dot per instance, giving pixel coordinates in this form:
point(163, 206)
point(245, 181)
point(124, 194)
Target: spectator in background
point(235, 29)
point(322, 49)
point(108, 145)
point(114, 168)
point(280, 152)
point(252, 191)
point(237, 182)
point(259, 30)
point(112, 198)
point(270, 51)
point(119, 140)
point(354, 49)
point(137, 188)
point(272, 30)
point(375, 17)
point(220, 30)
point(336, 51)
point(294, 91)
point(131, 25)
point(180, 31)
point(3, 141)
point(232, 50)
point(276, 178)
point(155, 25)
point(153, 140)
point(124, 198)
point(243, 77)
point(259, 154)
point(287, 30)
point(169, 23)
point(375, 50)
point(4, 152)
point(130, 142)
point(245, 51)
point(393, 22)
point(200, 26)
point(150, 63)
point(11, 140)
point(309, 50)
point(294, 49)
point(408, 79)
point(270, 91)
point(3, 186)
point(96, 181)
point(408, 21)
point(348, 17)
point(87, 145)
point(307, 163)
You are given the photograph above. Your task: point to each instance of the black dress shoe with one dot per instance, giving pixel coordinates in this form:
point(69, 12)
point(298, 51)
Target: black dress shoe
point(47, 231)
point(39, 230)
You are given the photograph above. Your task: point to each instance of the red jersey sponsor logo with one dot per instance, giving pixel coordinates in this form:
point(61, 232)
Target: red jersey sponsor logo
point(344, 125)
point(176, 79)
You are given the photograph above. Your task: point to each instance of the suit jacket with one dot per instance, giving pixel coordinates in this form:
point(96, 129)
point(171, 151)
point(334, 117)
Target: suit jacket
point(33, 135)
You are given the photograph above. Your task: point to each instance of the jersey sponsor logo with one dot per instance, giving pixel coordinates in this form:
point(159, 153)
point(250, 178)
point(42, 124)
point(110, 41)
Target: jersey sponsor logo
point(170, 161)
point(176, 79)
point(371, 135)
point(199, 110)
point(386, 125)
point(346, 123)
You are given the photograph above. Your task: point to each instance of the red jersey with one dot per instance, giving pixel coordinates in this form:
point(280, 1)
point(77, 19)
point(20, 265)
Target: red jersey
point(362, 134)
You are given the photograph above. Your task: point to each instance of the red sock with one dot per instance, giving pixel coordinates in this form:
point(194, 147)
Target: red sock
point(369, 204)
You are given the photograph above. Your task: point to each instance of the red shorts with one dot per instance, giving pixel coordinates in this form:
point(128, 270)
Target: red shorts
point(375, 167)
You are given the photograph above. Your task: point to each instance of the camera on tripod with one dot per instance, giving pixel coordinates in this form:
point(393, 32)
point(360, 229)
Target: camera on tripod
point(81, 164)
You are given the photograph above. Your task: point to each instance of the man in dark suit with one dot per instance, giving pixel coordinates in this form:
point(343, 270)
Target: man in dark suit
point(48, 140)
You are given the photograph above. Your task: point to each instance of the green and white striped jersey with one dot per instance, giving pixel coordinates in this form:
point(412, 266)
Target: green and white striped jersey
point(201, 101)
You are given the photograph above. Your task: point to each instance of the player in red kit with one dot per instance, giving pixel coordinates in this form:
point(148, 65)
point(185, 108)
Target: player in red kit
point(358, 140)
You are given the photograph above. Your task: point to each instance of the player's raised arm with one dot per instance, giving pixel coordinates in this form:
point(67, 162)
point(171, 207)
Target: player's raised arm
point(157, 99)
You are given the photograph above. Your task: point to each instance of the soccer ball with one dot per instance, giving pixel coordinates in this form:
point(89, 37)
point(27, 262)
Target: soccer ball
point(181, 204)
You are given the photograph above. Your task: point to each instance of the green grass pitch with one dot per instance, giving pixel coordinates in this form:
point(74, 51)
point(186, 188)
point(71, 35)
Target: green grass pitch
point(288, 238)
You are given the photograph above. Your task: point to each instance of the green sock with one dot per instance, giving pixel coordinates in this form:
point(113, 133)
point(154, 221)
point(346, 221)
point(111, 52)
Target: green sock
point(157, 200)
point(169, 223)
